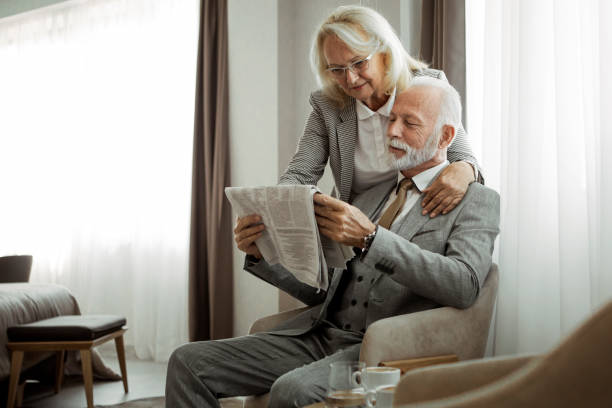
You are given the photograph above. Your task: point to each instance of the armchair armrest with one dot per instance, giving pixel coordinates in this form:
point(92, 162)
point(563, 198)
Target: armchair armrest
point(447, 380)
point(269, 322)
point(435, 332)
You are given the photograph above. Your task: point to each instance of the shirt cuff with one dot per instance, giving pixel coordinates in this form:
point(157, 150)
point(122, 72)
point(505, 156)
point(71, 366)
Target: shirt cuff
point(250, 260)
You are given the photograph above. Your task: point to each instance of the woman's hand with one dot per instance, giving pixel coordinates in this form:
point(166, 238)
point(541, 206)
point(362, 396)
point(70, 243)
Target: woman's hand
point(341, 222)
point(448, 189)
point(246, 232)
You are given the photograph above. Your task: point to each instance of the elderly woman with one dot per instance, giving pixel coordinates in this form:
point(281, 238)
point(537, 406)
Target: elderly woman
point(361, 64)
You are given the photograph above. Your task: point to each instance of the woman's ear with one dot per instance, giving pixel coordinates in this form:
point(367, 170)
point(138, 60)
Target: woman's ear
point(448, 134)
point(386, 60)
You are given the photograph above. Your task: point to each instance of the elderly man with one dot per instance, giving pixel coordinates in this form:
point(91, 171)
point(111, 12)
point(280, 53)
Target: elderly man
point(407, 262)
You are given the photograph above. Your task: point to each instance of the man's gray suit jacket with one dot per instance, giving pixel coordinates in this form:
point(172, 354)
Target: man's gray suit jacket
point(420, 263)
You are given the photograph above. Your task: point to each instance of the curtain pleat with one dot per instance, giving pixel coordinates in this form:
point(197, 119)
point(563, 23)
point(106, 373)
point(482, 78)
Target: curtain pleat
point(443, 41)
point(210, 263)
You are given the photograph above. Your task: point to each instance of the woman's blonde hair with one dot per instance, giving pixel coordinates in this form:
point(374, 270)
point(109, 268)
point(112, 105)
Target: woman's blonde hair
point(349, 23)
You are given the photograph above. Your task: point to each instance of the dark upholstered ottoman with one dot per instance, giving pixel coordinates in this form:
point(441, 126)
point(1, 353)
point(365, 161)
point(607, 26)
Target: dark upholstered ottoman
point(64, 333)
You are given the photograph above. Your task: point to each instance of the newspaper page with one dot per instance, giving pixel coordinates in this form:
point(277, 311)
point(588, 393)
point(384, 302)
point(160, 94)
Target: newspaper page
point(291, 237)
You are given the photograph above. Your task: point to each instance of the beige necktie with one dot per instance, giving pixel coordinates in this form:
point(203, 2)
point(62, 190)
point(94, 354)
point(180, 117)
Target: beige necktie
point(396, 206)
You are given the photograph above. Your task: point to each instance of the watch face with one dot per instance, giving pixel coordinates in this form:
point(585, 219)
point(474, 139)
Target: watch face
point(367, 240)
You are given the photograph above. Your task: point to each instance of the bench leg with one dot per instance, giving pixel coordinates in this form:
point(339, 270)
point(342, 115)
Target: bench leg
point(87, 376)
point(20, 393)
point(59, 370)
point(16, 361)
point(121, 356)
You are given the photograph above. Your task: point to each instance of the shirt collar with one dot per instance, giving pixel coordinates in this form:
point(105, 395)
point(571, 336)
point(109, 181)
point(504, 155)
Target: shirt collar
point(425, 178)
point(363, 112)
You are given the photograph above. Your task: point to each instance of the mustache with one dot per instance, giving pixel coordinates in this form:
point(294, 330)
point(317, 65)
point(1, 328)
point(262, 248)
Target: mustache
point(397, 144)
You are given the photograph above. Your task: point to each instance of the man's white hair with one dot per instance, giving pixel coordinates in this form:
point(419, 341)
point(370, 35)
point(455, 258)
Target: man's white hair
point(450, 105)
point(448, 115)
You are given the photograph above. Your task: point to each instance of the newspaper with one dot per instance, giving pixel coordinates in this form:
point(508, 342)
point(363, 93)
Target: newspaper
point(291, 237)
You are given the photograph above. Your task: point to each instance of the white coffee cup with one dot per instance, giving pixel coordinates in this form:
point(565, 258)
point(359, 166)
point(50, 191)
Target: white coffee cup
point(374, 377)
point(384, 396)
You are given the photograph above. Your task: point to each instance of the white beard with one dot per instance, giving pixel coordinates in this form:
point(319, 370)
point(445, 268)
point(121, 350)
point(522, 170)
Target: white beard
point(413, 157)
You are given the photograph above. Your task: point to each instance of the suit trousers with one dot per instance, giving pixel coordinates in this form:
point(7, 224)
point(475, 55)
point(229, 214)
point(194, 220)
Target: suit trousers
point(294, 369)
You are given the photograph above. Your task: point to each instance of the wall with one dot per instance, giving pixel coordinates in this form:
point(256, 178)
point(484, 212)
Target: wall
point(253, 105)
point(410, 33)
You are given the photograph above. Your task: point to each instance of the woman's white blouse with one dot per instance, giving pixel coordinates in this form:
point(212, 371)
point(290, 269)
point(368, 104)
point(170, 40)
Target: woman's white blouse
point(372, 163)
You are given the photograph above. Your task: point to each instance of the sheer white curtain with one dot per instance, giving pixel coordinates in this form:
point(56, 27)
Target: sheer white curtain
point(539, 109)
point(96, 131)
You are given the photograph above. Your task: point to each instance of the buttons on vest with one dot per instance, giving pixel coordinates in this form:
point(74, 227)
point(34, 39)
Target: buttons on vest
point(349, 308)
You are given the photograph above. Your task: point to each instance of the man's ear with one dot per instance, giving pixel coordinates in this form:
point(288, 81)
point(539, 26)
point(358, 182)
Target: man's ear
point(448, 134)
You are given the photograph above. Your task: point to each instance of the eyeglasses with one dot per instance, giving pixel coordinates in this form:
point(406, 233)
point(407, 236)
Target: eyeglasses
point(356, 67)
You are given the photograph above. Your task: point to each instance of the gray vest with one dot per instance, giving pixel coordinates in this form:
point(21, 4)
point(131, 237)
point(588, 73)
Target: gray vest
point(349, 305)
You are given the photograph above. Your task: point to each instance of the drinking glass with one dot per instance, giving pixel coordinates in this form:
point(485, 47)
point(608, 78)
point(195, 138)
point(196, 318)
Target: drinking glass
point(384, 396)
point(344, 389)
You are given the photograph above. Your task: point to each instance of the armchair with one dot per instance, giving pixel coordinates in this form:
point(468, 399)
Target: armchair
point(576, 373)
point(410, 341)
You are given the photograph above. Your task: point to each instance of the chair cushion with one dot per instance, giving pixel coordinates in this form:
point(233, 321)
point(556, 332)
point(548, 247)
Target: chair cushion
point(66, 328)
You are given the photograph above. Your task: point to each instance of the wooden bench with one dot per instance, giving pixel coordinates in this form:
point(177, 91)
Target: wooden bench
point(61, 334)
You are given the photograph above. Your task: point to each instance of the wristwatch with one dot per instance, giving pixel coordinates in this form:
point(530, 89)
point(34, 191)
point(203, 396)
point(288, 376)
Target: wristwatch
point(367, 241)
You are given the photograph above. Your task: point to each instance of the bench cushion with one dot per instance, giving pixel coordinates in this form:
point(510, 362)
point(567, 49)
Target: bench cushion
point(66, 328)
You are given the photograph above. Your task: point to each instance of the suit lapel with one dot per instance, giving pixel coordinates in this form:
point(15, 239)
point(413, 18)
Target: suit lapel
point(413, 221)
point(331, 290)
point(347, 140)
point(372, 201)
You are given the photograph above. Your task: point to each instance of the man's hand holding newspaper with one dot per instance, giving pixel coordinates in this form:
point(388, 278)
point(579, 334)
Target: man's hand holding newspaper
point(248, 230)
point(278, 223)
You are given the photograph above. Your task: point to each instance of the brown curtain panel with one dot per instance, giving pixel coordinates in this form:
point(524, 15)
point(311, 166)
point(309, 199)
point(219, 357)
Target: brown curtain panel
point(443, 41)
point(210, 255)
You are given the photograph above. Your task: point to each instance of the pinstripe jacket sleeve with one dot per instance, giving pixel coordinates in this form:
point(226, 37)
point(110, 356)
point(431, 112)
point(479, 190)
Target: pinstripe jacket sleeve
point(331, 134)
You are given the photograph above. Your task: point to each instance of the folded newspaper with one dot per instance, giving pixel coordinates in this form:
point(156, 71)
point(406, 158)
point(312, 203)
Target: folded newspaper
point(291, 237)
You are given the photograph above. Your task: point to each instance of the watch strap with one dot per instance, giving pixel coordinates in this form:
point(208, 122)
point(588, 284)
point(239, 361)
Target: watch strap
point(367, 242)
